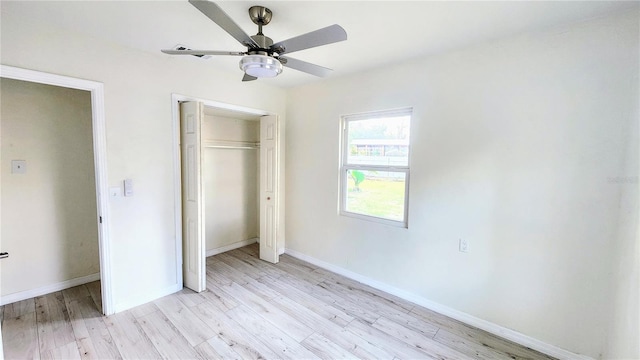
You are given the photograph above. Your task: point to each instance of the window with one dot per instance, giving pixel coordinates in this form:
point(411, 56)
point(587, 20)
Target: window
point(374, 174)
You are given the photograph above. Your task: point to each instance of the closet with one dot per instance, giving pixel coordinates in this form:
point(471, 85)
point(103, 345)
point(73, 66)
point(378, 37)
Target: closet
point(230, 174)
point(229, 163)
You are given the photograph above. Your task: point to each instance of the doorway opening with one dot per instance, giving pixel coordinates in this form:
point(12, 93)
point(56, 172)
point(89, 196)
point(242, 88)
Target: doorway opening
point(92, 179)
point(227, 167)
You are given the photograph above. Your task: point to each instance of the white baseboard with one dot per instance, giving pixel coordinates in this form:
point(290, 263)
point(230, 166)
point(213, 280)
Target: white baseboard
point(230, 247)
point(48, 289)
point(468, 319)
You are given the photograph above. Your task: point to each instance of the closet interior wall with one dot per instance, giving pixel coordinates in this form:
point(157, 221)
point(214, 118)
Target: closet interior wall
point(231, 180)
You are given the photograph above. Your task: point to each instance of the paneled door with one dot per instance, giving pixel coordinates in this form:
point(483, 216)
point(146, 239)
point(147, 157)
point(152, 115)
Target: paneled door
point(269, 176)
point(193, 247)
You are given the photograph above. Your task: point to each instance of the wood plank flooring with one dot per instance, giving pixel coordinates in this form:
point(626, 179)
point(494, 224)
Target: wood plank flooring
point(251, 310)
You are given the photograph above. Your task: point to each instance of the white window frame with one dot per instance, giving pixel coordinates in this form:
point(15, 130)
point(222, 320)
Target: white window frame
point(345, 166)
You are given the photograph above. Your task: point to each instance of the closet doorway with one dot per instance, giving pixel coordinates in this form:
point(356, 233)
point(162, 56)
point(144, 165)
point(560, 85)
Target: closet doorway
point(229, 179)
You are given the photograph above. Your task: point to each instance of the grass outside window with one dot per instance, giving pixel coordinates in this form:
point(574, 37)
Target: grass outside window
point(376, 196)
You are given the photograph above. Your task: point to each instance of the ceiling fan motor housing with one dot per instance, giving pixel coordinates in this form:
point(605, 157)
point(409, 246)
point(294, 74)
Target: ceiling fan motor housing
point(261, 16)
point(264, 43)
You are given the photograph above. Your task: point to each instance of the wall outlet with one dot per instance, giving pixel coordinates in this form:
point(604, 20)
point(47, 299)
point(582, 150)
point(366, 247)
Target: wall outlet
point(115, 192)
point(463, 245)
point(18, 166)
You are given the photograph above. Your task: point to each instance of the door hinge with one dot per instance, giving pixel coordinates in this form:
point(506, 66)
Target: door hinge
point(100, 219)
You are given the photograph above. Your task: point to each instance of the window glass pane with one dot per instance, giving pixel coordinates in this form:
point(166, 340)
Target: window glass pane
point(379, 141)
point(376, 193)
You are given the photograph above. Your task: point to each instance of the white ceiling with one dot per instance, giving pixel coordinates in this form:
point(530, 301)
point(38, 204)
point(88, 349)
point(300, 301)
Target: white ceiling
point(379, 32)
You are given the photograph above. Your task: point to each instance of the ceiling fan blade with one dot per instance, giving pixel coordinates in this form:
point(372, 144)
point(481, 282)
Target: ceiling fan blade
point(324, 36)
point(202, 52)
point(247, 77)
point(304, 66)
point(215, 13)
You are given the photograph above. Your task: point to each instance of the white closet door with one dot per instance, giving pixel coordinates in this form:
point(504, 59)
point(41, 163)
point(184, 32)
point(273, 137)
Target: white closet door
point(269, 188)
point(193, 261)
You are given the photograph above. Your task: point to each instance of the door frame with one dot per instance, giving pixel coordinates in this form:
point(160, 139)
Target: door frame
point(177, 173)
point(100, 162)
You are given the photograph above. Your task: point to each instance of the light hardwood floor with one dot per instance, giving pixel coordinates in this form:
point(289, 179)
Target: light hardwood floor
point(251, 310)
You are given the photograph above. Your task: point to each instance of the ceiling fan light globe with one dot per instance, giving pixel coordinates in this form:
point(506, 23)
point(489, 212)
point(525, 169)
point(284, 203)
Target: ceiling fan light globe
point(260, 66)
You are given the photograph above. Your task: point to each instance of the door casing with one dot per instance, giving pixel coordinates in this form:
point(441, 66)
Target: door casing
point(100, 160)
point(176, 99)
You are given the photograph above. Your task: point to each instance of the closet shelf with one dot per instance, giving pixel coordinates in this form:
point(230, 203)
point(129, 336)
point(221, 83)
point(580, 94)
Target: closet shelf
point(229, 144)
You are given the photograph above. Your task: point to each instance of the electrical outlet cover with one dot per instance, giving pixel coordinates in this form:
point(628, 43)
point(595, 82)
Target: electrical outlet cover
point(115, 191)
point(463, 245)
point(18, 166)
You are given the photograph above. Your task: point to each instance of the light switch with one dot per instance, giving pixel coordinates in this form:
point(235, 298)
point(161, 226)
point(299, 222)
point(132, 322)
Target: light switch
point(128, 187)
point(18, 166)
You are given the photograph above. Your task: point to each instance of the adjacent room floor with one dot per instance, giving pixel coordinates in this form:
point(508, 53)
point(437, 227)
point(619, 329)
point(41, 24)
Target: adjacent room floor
point(252, 309)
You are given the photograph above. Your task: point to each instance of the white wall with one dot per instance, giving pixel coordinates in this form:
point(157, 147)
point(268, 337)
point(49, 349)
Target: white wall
point(513, 143)
point(138, 88)
point(623, 332)
point(230, 182)
point(49, 213)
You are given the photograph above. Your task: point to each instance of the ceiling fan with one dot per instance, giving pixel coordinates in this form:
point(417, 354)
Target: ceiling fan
point(263, 58)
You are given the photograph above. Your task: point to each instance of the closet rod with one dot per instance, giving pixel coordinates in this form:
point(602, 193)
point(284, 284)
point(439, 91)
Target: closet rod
point(231, 144)
point(232, 147)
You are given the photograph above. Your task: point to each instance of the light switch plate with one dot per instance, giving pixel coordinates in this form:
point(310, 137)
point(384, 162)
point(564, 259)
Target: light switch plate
point(18, 166)
point(128, 187)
